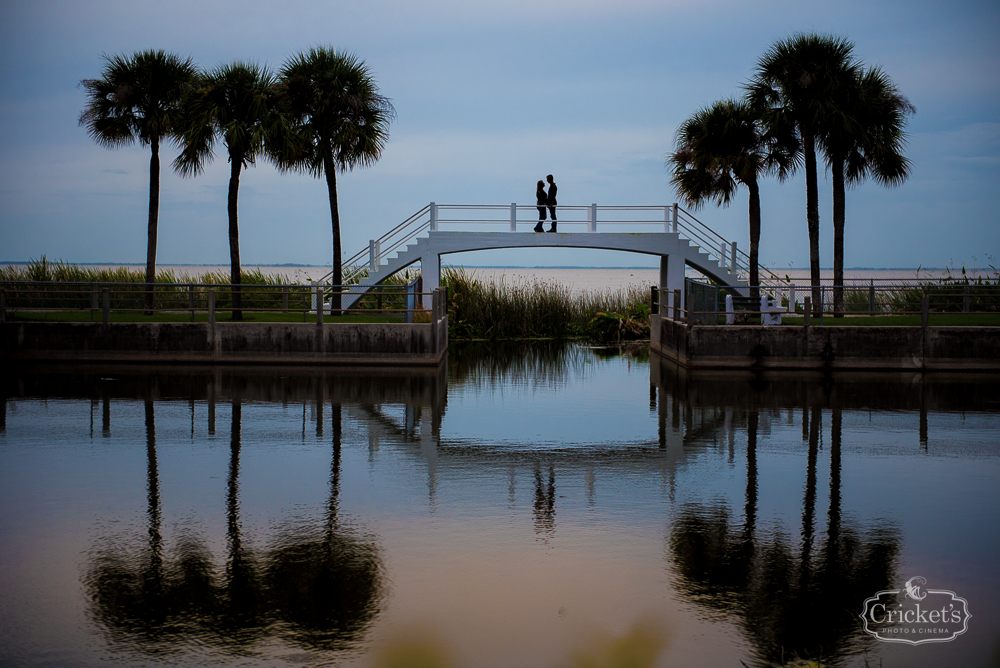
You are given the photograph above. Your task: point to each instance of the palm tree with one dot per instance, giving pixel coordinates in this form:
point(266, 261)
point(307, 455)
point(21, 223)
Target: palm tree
point(722, 146)
point(865, 138)
point(341, 121)
point(797, 82)
point(237, 103)
point(138, 97)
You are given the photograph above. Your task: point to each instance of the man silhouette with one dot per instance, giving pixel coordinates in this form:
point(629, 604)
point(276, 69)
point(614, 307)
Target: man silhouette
point(551, 200)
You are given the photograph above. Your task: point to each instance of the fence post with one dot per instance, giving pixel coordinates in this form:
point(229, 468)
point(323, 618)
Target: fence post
point(730, 311)
point(211, 306)
point(965, 299)
point(807, 312)
point(925, 310)
point(434, 217)
point(191, 300)
point(513, 217)
point(410, 302)
point(871, 296)
point(822, 303)
point(593, 218)
point(677, 305)
point(654, 305)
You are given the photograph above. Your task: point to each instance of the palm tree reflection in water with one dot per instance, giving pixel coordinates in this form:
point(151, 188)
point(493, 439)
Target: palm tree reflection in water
point(788, 606)
point(317, 587)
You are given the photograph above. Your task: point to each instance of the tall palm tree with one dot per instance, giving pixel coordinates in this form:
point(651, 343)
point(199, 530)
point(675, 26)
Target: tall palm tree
point(864, 138)
point(797, 81)
point(234, 102)
point(722, 146)
point(341, 120)
point(138, 97)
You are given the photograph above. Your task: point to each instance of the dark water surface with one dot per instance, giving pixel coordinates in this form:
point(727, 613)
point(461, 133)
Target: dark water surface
point(523, 506)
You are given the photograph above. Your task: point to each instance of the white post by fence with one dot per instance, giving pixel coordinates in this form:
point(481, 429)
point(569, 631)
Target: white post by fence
point(676, 209)
point(592, 227)
point(513, 217)
point(730, 312)
point(314, 293)
point(732, 259)
point(434, 217)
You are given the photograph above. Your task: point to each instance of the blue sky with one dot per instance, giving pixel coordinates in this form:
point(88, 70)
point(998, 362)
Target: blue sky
point(491, 97)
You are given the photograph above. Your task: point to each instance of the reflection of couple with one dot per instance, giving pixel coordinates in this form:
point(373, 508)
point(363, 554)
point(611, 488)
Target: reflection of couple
point(546, 200)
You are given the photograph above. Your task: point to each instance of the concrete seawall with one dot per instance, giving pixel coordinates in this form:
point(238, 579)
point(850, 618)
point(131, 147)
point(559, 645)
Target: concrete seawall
point(227, 343)
point(826, 348)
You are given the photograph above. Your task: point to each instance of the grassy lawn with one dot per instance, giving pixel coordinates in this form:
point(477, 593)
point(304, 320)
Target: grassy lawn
point(138, 316)
point(936, 320)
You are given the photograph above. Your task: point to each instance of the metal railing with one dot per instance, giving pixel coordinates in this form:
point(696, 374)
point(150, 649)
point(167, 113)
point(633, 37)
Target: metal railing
point(586, 218)
point(198, 302)
point(708, 303)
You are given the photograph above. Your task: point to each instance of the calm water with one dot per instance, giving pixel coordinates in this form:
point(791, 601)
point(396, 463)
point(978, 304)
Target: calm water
point(524, 506)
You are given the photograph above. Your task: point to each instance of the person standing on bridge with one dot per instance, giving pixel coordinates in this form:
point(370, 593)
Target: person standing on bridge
point(540, 199)
point(551, 200)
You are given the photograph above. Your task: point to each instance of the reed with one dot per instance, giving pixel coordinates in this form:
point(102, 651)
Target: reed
point(503, 309)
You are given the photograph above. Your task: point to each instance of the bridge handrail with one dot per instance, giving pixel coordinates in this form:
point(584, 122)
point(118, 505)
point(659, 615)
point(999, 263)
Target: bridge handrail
point(682, 222)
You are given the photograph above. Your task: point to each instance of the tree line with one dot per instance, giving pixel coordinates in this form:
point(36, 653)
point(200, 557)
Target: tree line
point(808, 96)
point(321, 113)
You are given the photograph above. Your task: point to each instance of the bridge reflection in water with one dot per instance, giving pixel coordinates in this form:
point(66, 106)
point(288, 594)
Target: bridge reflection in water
point(320, 583)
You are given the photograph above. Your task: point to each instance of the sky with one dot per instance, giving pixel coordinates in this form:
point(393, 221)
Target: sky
point(490, 97)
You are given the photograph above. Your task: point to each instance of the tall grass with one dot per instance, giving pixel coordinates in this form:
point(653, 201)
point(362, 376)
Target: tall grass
point(503, 309)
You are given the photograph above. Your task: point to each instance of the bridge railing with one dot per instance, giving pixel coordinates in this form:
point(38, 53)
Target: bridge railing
point(590, 218)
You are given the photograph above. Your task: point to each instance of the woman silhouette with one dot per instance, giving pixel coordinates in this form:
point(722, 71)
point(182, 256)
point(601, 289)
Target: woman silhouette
point(540, 198)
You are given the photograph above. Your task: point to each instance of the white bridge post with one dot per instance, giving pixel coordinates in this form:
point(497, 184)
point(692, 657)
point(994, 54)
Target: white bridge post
point(430, 273)
point(372, 256)
point(666, 220)
point(592, 223)
point(434, 217)
point(513, 217)
point(676, 228)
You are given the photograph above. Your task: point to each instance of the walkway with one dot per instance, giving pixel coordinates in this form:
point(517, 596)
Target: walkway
point(669, 232)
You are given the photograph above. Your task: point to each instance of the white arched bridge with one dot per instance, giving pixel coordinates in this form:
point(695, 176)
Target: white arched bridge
point(678, 238)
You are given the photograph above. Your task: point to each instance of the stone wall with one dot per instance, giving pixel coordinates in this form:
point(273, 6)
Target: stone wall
point(834, 347)
point(225, 343)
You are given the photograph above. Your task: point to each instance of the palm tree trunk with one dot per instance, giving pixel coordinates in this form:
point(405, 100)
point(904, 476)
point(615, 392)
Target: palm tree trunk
point(234, 235)
point(338, 270)
point(154, 214)
point(754, 238)
point(839, 211)
point(812, 216)
point(153, 577)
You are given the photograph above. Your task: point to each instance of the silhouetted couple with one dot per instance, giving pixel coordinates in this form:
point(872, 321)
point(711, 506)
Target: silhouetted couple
point(546, 200)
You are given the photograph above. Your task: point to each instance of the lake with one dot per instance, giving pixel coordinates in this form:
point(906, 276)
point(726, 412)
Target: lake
point(522, 505)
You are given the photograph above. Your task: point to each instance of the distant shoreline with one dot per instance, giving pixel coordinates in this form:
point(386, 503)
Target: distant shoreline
point(291, 265)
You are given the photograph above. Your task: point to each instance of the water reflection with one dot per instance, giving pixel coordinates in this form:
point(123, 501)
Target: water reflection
point(318, 585)
point(788, 603)
point(664, 459)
